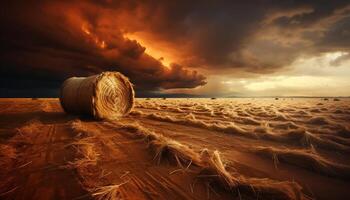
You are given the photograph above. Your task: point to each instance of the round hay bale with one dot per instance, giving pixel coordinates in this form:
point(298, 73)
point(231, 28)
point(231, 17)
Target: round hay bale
point(108, 95)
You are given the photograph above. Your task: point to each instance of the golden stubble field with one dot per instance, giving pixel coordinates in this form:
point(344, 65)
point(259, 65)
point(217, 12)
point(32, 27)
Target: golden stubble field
point(245, 148)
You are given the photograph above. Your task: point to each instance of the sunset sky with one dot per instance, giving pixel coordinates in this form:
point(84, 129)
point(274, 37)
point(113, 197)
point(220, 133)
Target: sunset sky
point(204, 48)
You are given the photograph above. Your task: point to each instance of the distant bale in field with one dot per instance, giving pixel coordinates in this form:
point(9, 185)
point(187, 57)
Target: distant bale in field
point(336, 99)
point(325, 99)
point(164, 98)
point(276, 98)
point(213, 98)
point(34, 98)
point(108, 95)
point(148, 99)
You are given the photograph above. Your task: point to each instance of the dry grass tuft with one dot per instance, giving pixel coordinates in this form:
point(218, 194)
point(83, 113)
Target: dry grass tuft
point(87, 152)
point(87, 155)
point(304, 138)
point(190, 120)
point(165, 148)
point(85, 148)
point(299, 136)
point(80, 129)
point(307, 159)
point(86, 164)
point(110, 192)
point(8, 155)
point(24, 134)
point(212, 169)
point(7, 152)
point(320, 120)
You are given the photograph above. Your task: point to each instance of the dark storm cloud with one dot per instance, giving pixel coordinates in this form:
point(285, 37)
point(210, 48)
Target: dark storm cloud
point(216, 35)
point(44, 42)
point(320, 9)
point(337, 36)
point(323, 28)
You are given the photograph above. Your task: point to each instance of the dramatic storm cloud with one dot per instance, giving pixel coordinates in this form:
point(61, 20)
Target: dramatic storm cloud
point(43, 43)
point(193, 47)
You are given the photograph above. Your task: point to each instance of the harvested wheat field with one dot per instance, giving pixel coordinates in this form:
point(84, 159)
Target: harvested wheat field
point(178, 149)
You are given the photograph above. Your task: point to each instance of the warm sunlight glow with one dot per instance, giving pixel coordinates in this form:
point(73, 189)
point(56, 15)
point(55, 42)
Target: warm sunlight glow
point(100, 43)
point(288, 82)
point(85, 29)
point(335, 55)
point(162, 56)
point(319, 75)
point(103, 44)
